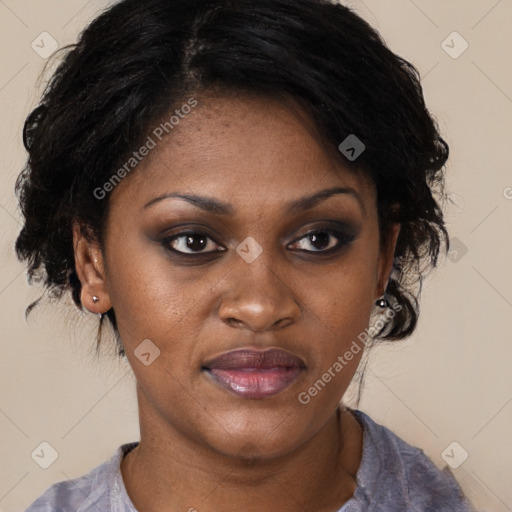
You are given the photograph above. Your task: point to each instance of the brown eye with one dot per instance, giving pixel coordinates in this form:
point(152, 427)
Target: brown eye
point(191, 242)
point(323, 240)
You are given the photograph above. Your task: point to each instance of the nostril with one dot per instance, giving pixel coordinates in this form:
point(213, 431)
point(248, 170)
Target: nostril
point(283, 322)
point(234, 322)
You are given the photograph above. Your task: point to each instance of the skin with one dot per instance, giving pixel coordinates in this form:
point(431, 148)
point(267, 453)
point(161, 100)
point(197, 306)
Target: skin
point(272, 454)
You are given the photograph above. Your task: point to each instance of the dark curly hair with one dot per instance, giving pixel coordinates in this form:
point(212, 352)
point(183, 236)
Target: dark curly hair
point(138, 60)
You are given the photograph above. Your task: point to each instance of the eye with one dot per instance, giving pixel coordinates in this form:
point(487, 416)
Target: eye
point(323, 240)
point(191, 242)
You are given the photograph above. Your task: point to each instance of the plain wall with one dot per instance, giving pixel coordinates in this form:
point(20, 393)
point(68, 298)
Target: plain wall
point(451, 381)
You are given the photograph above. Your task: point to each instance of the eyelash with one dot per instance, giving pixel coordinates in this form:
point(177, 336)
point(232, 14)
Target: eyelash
point(344, 240)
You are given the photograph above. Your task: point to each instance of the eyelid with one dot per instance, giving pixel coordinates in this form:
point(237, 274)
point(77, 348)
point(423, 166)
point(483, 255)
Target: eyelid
point(346, 228)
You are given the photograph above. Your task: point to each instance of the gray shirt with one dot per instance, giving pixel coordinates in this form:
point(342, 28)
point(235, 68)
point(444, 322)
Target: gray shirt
point(393, 477)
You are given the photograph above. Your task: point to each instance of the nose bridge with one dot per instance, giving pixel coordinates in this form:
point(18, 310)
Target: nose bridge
point(259, 297)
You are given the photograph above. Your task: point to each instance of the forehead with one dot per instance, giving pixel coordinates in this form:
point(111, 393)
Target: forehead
point(241, 148)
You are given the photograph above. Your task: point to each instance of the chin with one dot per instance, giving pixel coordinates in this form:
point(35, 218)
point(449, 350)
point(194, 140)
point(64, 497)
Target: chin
point(257, 436)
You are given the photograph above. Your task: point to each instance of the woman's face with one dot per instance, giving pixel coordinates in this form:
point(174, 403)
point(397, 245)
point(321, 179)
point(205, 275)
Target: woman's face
point(304, 284)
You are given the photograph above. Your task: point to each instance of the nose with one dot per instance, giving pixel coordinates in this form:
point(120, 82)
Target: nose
point(259, 297)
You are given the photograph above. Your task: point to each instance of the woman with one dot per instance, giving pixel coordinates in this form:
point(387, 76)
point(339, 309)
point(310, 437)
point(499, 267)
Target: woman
point(246, 191)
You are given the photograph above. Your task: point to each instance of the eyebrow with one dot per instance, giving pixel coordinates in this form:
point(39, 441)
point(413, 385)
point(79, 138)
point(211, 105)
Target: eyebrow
point(215, 206)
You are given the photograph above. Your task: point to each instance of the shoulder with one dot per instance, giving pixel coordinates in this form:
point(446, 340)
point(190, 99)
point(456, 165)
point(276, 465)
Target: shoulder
point(90, 492)
point(398, 472)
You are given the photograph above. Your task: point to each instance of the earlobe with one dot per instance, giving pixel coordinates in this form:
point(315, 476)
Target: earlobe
point(90, 268)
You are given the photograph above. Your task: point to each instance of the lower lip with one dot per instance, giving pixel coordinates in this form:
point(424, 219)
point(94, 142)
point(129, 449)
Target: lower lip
point(255, 383)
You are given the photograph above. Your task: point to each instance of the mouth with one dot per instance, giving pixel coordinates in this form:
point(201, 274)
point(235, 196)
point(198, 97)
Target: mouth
point(255, 374)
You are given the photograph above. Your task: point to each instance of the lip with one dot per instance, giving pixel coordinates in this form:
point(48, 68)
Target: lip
point(255, 374)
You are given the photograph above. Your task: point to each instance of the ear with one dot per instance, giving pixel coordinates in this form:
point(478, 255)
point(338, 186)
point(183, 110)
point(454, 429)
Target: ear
point(386, 257)
point(90, 268)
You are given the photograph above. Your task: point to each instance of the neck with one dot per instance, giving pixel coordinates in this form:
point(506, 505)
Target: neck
point(170, 471)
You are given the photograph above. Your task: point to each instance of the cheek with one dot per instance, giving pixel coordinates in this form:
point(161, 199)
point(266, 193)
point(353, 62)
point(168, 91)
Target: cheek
point(147, 292)
point(340, 314)
point(343, 295)
point(339, 306)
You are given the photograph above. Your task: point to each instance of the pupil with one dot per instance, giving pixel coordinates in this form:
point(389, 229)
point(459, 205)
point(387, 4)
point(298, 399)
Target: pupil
point(323, 238)
point(191, 245)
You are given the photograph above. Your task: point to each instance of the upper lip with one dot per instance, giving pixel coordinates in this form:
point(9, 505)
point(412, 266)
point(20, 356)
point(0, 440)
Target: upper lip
point(251, 358)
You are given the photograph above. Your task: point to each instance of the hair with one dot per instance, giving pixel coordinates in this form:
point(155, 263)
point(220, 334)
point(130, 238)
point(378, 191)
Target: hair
point(139, 59)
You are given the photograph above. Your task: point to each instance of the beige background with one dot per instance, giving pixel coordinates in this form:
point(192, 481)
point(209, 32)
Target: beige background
point(450, 382)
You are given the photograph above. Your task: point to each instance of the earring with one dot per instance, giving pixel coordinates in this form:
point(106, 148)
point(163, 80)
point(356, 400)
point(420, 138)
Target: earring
point(95, 299)
point(382, 302)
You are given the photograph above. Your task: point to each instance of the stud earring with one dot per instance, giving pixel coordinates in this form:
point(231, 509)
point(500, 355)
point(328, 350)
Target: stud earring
point(95, 299)
point(382, 302)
